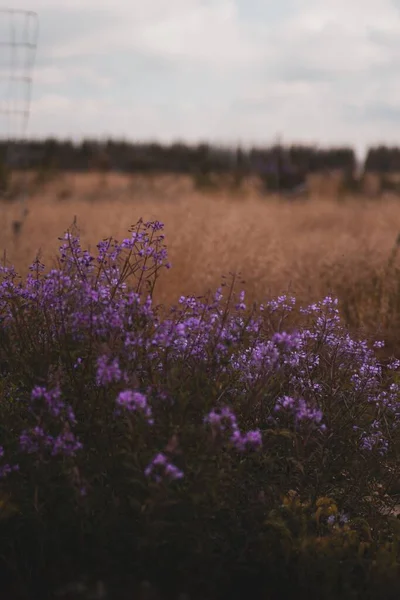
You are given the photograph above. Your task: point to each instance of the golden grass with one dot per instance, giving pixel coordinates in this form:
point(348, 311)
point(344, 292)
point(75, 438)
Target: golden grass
point(315, 246)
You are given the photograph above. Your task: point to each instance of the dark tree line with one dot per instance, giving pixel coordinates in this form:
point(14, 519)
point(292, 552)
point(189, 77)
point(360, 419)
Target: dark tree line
point(177, 157)
point(383, 159)
point(183, 158)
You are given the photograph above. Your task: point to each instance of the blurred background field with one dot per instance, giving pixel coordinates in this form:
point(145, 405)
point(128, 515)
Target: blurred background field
point(325, 242)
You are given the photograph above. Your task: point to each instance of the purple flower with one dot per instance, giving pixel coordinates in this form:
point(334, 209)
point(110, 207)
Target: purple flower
point(135, 401)
point(241, 305)
point(219, 421)
point(7, 469)
point(65, 444)
point(31, 441)
point(37, 440)
point(283, 302)
point(300, 410)
point(107, 371)
point(379, 344)
point(160, 467)
point(341, 519)
point(331, 519)
point(78, 362)
point(250, 440)
point(53, 402)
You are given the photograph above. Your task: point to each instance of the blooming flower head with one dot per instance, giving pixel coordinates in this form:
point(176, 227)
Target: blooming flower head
point(161, 468)
point(135, 401)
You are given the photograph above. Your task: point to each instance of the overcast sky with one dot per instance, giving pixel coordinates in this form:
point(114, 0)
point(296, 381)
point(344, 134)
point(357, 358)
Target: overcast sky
point(227, 71)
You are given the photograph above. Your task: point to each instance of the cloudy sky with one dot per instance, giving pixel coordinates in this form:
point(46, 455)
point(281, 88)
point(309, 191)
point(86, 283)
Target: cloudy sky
point(226, 71)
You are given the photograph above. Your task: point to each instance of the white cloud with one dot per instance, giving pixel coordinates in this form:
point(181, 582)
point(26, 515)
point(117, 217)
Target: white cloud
point(53, 76)
point(206, 33)
point(188, 31)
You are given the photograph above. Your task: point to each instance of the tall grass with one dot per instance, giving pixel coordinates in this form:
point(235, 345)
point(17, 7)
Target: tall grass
point(311, 248)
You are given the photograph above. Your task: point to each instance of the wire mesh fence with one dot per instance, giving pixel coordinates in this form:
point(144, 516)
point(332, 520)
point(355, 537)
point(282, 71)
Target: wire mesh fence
point(19, 31)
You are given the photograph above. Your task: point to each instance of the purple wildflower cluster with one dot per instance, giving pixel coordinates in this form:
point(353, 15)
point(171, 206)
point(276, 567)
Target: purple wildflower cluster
point(6, 469)
point(160, 467)
point(300, 410)
point(108, 341)
point(36, 439)
point(135, 401)
point(46, 403)
point(224, 420)
point(108, 371)
point(339, 519)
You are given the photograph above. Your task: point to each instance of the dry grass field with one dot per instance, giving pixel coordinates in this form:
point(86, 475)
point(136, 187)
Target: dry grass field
point(309, 247)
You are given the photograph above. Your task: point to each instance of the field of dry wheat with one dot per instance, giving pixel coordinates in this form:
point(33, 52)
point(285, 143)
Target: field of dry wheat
point(310, 247)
